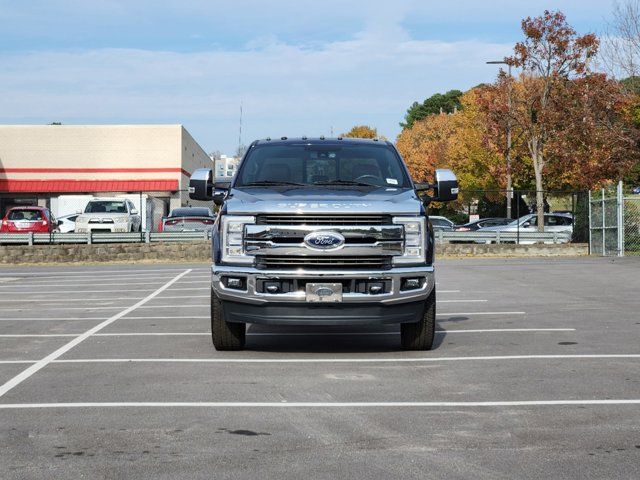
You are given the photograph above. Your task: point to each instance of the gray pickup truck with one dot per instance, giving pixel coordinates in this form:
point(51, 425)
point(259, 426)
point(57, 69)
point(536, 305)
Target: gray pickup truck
point(322, 232)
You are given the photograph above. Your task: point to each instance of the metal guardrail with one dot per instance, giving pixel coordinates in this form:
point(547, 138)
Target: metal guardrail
point(148, 237)
point(502, 237)
point(90, 238)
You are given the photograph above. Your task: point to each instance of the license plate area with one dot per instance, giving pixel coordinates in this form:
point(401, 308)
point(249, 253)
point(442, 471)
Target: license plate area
point(323, 292)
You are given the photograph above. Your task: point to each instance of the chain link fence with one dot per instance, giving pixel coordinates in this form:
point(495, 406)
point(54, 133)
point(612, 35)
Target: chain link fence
point(631, 215)
point(614, 214)
point(482, 204)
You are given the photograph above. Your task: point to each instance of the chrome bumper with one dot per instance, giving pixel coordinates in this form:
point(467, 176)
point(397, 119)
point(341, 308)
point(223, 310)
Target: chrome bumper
point(251, 296)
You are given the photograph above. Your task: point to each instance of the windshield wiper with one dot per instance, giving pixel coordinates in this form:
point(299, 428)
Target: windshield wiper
point(271, 183)
point(346, 182)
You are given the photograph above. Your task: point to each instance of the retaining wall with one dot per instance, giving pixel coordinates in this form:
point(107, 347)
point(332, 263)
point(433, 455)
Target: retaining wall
point(200, 251)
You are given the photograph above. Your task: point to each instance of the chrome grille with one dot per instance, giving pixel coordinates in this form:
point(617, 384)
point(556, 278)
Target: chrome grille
point(331, 220)
point(317, 262)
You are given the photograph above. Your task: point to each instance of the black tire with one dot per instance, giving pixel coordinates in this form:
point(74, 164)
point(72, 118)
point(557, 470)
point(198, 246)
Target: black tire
point(225, 335)
point(420, 335)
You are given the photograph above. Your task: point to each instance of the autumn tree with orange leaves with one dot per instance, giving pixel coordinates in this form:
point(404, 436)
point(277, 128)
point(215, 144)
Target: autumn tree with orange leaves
point(460, 141)
point(551, 56)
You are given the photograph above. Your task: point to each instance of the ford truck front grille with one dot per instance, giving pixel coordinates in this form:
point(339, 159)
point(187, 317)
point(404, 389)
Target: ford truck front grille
point(330, 220)
point(320, 262)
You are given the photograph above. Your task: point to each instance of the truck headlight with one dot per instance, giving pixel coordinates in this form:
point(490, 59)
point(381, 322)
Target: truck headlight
point(121, 219)
point(414, 240)
point(82, 219)
point(232, 242)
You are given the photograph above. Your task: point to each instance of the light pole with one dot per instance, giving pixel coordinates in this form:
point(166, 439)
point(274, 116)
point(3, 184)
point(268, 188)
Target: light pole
point(508, 153)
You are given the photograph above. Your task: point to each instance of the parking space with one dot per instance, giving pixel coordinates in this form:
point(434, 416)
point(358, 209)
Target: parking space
point(536, 371)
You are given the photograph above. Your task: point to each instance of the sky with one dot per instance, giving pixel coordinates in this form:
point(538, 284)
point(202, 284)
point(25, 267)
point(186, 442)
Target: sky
point(296, 67)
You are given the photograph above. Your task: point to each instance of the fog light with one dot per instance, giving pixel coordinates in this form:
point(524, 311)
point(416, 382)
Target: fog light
point(236, 283)
point(411, 283)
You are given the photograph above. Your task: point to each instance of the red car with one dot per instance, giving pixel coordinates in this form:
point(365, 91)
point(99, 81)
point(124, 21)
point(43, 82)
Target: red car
point(28, 219)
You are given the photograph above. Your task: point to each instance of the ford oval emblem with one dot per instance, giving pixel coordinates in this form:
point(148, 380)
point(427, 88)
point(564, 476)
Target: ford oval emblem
point(324, 240)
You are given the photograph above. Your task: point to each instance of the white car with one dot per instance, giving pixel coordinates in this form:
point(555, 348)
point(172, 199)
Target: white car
point(67, 223)
point(553, 222)
point(109, 214)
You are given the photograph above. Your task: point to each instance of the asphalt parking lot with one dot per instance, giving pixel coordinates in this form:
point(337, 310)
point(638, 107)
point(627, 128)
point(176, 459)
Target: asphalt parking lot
point(109, 372)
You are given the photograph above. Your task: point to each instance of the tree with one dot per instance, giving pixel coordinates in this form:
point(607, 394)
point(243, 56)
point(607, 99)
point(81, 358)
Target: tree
point(550, 55)
point(361, 131)
point(435, 104)
point(621, 48)
point(458, 141)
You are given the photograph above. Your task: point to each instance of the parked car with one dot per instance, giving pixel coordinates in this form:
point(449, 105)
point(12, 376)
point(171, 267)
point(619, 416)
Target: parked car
point(188, 219)
point(109, 214)
point(553, 222)
point(28, 219)
point(67, 223)
point(441, 223)
point(482, 223)
point(635, 190)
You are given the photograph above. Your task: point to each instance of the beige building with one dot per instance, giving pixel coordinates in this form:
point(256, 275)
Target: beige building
point(40, 162)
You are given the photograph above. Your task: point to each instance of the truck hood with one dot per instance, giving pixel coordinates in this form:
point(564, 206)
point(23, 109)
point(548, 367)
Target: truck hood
point(323, 200)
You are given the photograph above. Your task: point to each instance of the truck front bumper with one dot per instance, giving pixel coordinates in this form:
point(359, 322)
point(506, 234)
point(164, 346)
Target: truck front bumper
point(248, 305)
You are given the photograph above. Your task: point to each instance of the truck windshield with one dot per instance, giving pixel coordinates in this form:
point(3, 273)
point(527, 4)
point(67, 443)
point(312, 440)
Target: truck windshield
point(339, 165)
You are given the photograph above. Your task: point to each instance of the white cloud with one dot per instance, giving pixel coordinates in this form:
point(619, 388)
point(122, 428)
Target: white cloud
point(286, 89)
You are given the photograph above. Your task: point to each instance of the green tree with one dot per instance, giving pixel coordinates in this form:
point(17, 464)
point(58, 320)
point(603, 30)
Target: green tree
point(437, 103)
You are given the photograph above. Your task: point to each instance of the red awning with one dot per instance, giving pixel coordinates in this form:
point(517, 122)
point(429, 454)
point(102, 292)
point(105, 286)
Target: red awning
point(86, 186)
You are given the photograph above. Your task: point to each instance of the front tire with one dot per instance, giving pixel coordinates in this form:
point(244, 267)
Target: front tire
point(420, 335)
point(225, 335)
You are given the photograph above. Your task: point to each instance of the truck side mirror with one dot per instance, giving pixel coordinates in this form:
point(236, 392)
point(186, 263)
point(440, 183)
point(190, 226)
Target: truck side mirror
point(446, 187)
point(201, 184)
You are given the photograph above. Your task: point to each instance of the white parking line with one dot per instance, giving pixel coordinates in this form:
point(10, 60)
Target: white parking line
point(50, 301)
point(285, 404)
point(199, 317)
point(349, 360)
point(103, 276)
point(49, 319)
point(103, 271)
point(93, 284)
point(53, 293)
point(284, 334)
point(68, 346)
point(441, 332)
point(455, 314)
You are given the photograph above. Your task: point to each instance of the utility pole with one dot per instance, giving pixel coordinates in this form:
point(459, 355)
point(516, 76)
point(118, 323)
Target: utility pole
point(508, 132)
point(240, 130)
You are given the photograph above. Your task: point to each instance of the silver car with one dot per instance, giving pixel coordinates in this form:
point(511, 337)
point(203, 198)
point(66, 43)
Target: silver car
point(553, 222)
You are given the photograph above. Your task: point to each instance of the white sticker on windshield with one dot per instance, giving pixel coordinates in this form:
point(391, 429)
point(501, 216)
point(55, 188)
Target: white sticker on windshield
point(392, 181)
